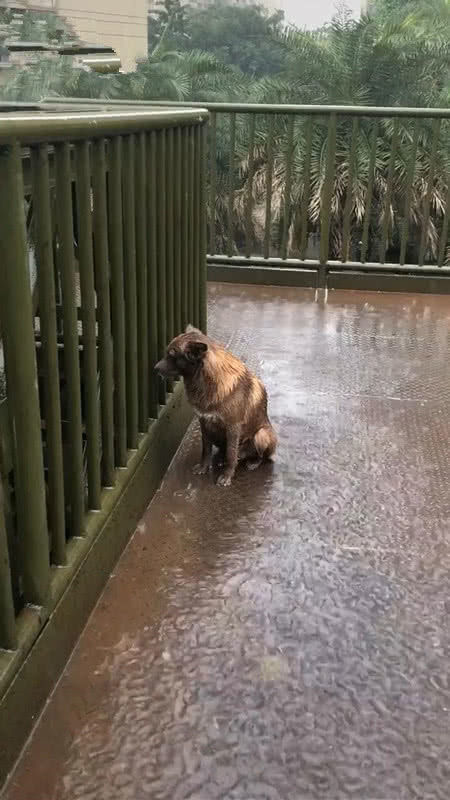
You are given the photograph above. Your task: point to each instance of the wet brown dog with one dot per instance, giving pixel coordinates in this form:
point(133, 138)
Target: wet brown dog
point(230, 401)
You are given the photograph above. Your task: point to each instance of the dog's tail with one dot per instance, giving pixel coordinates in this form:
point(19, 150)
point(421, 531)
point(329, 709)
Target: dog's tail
point(265, 441)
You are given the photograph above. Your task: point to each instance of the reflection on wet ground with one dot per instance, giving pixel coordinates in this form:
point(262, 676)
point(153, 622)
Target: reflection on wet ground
point(286, 639)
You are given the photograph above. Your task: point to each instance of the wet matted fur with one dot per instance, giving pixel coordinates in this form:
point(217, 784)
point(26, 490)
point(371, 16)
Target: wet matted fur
point(231, 402)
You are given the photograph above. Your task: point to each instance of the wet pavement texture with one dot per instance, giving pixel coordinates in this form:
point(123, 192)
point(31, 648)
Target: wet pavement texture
point(288, 638)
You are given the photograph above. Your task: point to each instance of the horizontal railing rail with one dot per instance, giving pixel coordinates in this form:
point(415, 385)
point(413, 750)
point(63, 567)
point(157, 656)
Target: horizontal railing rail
point(116, 225)
point(361, 186)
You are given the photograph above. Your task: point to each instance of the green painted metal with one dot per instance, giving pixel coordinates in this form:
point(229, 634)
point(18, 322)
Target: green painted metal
point(409, 192)
point(306, 188)
point(327, 191)
point(178, 237)
point(231, 167)
point(269, 187)
point(66, 270)
point(115, 237)
point(48, 331)
point(35, 128)
point(388, 195)
point(142, 277)
point(192, 228)
point(444, 240)
point(185, 199)
point(369, 194)
point(287, 186)
point(249, 198)
point(105, 345)
point(430, 184)
point(88, 317)
point(389, 112)
point(349, 191)
point(197, 198)
point(212, 183)
point(161, 251)
point(152, 277)
point(203, 229)
point(139, 220)
point(170, 236)
point(8, 634)
point(21, 376)
point(129, 257)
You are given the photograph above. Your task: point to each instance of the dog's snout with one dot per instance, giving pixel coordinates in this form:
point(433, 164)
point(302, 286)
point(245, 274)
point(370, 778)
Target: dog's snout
point(159, 367)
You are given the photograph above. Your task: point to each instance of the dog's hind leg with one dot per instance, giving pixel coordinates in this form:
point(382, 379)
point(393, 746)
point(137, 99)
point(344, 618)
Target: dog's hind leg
point(265, 442)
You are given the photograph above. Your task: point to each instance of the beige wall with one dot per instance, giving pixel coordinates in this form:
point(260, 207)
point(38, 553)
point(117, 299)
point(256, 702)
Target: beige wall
point(120, 25)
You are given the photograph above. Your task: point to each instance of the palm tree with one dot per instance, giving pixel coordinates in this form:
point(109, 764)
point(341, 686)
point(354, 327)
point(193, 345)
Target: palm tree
point(364, 62)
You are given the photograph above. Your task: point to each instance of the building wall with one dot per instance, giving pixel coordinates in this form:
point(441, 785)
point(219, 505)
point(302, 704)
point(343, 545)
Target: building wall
point(122, 26)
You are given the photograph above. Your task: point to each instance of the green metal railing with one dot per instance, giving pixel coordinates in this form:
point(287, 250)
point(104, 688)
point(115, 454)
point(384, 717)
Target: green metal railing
point(327, 188)
point(119, 238)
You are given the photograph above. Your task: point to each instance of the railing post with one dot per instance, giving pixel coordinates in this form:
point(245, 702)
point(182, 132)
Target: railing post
point(203, 230)
point(21, 376)
point(326, 199)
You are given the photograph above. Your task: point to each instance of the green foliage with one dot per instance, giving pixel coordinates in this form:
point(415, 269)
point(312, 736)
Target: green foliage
point(397, 55)
point(246, 38)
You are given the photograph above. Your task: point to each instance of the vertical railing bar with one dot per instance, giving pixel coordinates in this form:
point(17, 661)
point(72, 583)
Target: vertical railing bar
point(231, 162)
point(327, 194)
point(443, 243)
point(152, 279)
point(203, 231)
point(88, 317)
point(161, 257)
point(66, 268)
point(388, 196)
point(249, 193)
point(288, 186)
point(427, 201)
point(115, 234)
point(170, 235)
point(269, 181)
point(369, 195)
point(409, 192)
point(129, 237)
point(100, 219)
point(21, 378)
point(191, 224)
point(185, 224)
point(48, 328)
point(8, 635)
point(197, 225)
point(178, 288)
point(141, 274)
point(213, 181)
point(349, 198)
point(306, 189)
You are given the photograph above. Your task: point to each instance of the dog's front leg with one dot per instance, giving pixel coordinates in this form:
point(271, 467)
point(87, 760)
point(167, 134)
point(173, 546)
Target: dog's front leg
point(232, 453)
point(205, 463)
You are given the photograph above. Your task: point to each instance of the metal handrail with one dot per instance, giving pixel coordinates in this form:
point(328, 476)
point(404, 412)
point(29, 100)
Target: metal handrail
point(265, 108)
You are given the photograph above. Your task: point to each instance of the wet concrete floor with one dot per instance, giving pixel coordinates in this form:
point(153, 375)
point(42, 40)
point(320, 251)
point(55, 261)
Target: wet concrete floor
point(287, 639)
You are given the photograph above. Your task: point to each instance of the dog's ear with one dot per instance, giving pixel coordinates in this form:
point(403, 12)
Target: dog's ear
point(196, 350)
point(190, 329)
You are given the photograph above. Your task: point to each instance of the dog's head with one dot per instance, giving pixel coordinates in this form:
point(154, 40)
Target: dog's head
point(184, 354)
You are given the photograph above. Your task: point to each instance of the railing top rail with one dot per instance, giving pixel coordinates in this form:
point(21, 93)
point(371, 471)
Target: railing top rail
point(248, 108)
point(34, 128)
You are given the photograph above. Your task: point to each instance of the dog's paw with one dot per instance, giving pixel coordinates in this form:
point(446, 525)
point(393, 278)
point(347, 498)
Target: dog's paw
point(224, 480)
point(201, 469)
point(253, 464)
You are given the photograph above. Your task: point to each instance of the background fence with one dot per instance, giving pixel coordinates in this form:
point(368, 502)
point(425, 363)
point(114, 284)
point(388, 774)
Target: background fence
point(103, 242)
point(327, 186)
